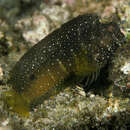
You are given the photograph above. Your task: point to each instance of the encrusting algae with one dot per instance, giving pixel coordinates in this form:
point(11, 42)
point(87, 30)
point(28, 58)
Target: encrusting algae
point(78, 49)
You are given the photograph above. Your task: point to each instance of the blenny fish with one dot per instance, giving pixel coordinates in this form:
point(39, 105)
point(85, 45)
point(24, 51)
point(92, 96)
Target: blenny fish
point(76, 50)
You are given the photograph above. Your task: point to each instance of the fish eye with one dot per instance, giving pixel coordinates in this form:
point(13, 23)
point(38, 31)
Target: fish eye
point(110, 28)
point(32, 77)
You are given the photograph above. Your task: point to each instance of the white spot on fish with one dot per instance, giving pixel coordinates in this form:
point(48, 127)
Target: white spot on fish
point(44, 51)
point(70, 64)
point(71, 50)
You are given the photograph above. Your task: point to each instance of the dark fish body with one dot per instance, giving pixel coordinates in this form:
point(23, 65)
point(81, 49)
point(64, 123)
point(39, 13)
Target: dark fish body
point(78, 49)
